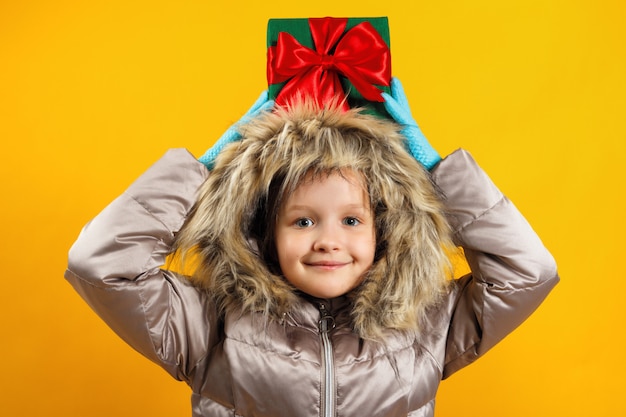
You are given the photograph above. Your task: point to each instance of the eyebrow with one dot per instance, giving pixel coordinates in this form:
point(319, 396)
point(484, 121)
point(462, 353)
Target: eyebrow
point(355, 206)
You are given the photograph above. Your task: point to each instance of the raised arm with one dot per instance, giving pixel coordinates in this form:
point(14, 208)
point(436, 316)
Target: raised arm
point(115, 265)
point(116, 262)
point(512, 271)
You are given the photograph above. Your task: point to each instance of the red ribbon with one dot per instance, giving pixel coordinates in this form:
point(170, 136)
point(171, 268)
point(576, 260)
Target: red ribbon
point(361, 55)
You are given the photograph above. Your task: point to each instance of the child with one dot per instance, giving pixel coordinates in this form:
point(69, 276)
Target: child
point(322, 283)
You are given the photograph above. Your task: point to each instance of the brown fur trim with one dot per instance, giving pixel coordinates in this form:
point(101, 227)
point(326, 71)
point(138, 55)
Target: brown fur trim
point(276, 152)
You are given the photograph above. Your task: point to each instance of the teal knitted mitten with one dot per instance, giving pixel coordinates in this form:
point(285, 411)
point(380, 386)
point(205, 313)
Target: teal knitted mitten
point(416, 143)
point(232, 134)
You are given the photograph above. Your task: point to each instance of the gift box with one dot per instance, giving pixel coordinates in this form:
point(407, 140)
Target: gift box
point(326, 58)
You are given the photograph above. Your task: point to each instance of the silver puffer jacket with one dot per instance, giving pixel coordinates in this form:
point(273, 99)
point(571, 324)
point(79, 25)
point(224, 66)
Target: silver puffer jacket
point(312, 364)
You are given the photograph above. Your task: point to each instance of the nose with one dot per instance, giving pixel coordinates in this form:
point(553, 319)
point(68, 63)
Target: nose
point(327, 240)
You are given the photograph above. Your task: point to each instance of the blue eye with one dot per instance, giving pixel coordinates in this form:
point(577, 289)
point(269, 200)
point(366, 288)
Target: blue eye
point(304, 222)
point(351, 221)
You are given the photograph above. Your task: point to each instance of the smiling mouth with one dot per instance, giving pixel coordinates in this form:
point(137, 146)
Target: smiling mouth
point(327, 266)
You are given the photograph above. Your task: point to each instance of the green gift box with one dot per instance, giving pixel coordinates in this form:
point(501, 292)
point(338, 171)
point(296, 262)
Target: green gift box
point(325, 58)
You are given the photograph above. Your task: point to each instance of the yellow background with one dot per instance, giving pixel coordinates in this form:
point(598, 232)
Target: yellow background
point(92, 92)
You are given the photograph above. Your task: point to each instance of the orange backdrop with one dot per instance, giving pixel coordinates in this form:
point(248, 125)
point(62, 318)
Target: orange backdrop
point(92, 92)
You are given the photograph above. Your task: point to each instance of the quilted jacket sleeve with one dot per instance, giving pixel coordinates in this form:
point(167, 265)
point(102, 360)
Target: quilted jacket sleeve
point(115, 265)
point(512, 271)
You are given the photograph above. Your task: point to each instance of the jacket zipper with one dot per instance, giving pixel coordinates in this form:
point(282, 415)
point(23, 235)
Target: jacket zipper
point(326, 324)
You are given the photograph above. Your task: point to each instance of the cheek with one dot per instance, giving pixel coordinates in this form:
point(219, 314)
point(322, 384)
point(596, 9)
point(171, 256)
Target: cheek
point(372, 251)
point(368, 248)
point(286, 247)
point(280, 249)
point(281, 238)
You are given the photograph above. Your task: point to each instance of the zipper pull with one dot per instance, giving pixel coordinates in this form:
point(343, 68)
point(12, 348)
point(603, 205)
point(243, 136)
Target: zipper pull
point(327, 321)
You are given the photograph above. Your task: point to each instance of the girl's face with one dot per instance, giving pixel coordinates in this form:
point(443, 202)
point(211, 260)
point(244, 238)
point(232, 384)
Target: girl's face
point(325, 235)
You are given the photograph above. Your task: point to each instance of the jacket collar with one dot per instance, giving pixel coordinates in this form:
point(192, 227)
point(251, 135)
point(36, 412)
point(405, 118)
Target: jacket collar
point(307, 311)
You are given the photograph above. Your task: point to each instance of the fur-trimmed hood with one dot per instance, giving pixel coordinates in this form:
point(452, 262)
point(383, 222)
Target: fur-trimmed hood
point(230, 226)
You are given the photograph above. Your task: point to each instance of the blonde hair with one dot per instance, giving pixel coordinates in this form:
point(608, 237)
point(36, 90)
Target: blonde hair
point(231, 225)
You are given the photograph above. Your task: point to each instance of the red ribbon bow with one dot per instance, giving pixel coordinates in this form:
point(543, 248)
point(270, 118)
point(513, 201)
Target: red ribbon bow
point(361, 55)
